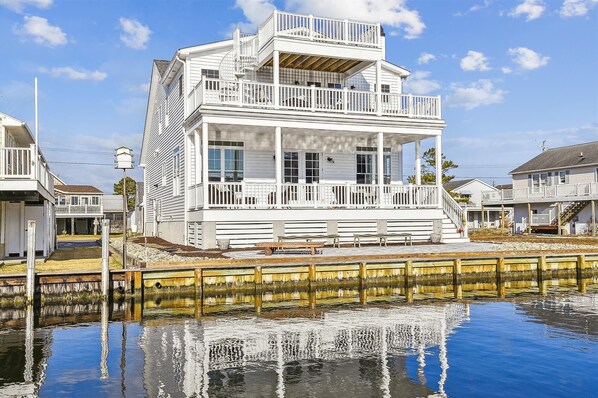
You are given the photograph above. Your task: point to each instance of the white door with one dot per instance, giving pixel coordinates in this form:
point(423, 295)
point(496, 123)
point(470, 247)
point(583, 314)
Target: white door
point(36, 213)
point(13, 229)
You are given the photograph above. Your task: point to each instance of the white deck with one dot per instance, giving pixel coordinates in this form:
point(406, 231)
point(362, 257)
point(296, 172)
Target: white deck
point(553, 193)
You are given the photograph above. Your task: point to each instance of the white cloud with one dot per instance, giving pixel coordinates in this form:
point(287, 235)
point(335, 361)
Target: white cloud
point(42, 32)
point(474, 61)
point(506, 70)
point(393, 13)
point(532, 9)
point(19, 5)
point(577, 8)
point(135, 35)
point(527, 59)
point(424, 58)
point(418, 83)
point(474, 8)
point(481, 92)
point(74, 74)
point(144, 87)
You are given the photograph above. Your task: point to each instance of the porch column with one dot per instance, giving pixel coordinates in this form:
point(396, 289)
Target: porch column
point(276, 77)
point(593, 219)
point(379, 87)
point(198, 161)
point(418, 163)
point(439, 169)
point(380, 165)
point(204, 164)
point(278, 159)
point(72, 226)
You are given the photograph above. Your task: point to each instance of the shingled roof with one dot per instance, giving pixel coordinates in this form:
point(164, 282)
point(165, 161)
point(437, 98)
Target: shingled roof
point(456, 184)
point(162, 65)
point(563, 157)
point(77, 189)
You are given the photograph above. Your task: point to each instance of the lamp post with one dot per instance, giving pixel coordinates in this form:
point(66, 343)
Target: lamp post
point(124, 161)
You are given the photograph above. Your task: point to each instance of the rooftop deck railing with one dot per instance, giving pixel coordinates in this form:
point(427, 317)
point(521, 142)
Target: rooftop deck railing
point(19, 164)
point(308, 27)
point(253, 195)
point(311, 99)
point(583, 191)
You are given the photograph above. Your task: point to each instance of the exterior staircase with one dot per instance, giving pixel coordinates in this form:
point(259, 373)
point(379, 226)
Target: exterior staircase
point(453, 220)
point(569, 212)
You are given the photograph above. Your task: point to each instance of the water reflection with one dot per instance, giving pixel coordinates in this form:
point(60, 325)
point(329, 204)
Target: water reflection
point(368, 342)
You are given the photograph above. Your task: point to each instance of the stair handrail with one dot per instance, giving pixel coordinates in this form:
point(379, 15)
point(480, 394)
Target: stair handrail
point(454, 211)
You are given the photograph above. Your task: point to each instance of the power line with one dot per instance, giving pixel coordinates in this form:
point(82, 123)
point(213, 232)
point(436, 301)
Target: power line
point(81, 163)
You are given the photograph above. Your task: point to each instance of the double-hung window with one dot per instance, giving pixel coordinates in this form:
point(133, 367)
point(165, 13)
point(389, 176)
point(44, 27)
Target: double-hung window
point(207, 74)
point(176, 172)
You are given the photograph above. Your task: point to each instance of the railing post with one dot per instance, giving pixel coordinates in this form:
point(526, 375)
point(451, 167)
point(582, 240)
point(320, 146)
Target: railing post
point(313, 97)
point(275, 20)
point(346, 31)
point(439, 107)
point(241, 96)
point(32, 163)
point(311, 27)
point(410, 104)
point(345, 100)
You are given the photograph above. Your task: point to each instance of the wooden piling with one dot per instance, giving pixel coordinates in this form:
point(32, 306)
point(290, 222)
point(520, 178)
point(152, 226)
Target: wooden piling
point(198, 281)
point(363, 274)
point(541, 268)
point(257, 303)
point(138, 283)
point(105, 258)
point(501, 289)
point(257, 277)
point(311, 298)
point(30, 293)
point(311, 274)
point(363, 296)
point(500, 269)
point(409, 294)
point(408, 273)
point(581, 266)
point(457, 271)
point(458, 291)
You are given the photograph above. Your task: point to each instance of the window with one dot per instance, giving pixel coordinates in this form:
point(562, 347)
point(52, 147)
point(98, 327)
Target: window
point(334, 85)
point(176, 172)
point(366, 166)
point(312, 167)
point(95, 200)
point(84, 200)
point(385, 88)
point(211, 74)
point(163, 174)
point(291, 167)
point(317, 84)
point(74, 200)
point(61, 201)
point(563, 177)
point(180, 86)
point(225, 161)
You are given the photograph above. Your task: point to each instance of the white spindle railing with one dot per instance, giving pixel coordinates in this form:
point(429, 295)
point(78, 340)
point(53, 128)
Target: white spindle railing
point(16, 163)
point(579, 191)
point(454, 211)
point(79, 209)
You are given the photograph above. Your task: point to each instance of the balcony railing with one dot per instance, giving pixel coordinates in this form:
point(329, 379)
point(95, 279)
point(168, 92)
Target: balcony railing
point(307, 27)
point(250, 195)
point(253, 94)
point(584, 191)
point(79, 209)
point(19, 164)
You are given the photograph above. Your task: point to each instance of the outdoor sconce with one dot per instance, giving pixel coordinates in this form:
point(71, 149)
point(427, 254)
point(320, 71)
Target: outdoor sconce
point(352, 87)
point(330, 159)
point(274, 157)
point(296, 82)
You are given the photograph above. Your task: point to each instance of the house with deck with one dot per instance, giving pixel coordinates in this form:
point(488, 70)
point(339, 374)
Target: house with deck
point(554, 192)
point(297, 129)
point(26, 191)
point(468, 193)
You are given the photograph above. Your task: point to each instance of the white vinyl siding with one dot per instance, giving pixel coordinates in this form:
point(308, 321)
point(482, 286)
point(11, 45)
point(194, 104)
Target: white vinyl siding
point(207, 61)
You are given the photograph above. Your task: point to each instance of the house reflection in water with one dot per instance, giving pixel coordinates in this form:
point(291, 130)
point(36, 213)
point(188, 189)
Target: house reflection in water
point(341, 353)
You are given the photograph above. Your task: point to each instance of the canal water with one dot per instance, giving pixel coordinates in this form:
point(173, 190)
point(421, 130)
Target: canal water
point(522, 341)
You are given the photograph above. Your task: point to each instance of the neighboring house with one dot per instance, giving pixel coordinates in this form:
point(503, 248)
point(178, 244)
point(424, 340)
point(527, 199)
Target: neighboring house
point(79, 209)
point(556, 188)
point(26, 191)
point(297, 129)
point(113, 211)
point(468, 193)
point(137, 214)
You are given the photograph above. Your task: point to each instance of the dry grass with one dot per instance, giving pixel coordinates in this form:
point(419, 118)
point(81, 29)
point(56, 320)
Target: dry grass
point(80, 238)
point(76, 259)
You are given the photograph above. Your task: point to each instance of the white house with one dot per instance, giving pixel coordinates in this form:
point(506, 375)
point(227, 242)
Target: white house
point(79, 208)
point(299, 128)
point(558, 187)
point(26, 191)
point(469, 195)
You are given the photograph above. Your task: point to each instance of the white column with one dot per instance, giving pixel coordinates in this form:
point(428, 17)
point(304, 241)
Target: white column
point(439, 169)
point(276, 77)
point(418, 163)
point(278, 159)
point(379, 87)
point(380, 165)
point(198, 160)
point(204, 164)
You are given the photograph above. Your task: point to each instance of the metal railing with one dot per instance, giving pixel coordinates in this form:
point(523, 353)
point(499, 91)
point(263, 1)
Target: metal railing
point(564, 191)
point(235, 195)
point(311, 99)
point(79, 209)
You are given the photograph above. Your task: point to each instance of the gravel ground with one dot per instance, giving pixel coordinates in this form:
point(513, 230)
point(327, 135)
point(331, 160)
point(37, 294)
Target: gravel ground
point(150, 254)
point(528, 246)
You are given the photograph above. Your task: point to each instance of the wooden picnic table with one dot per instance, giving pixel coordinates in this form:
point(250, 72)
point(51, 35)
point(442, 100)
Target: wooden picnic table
point(382, 238)
point(309, 238)
point(270, 247)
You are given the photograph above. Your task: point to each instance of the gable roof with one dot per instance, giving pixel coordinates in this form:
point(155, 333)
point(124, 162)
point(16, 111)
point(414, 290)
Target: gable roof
point(162, 65)
point(77, 189)
point(456, 184)
point(557, 158)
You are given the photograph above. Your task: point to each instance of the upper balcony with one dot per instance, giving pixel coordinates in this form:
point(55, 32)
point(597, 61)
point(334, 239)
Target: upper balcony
point(251, 94)
point(550, 193)
point(22, 173)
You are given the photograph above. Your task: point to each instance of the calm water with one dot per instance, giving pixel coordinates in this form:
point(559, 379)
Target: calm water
point(520, 346)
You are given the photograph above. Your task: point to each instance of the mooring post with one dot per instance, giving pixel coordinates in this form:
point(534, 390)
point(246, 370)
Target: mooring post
point(104, 338)
point(138, 283)
point(581, 266)
point(541, 268)
point(409, 294)
point(408, 273)
point(311, 298)
point(311, 275)
point(105, 258)
point(30, 261)
point(257, 277)
point(458, 291)
point(198, 281)
point(363, 274)
point(500, 269)
point(457, 271)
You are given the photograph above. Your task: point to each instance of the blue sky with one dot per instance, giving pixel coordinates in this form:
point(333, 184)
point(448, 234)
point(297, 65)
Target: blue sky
point(511, 73)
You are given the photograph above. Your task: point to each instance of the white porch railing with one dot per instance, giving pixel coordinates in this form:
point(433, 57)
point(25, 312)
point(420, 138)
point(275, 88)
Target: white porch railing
point(235, 195)
point(583, 191)
point(454, 211)
point(79, 209)
point(307, 27)
point(311, 99)
point(19, 164)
